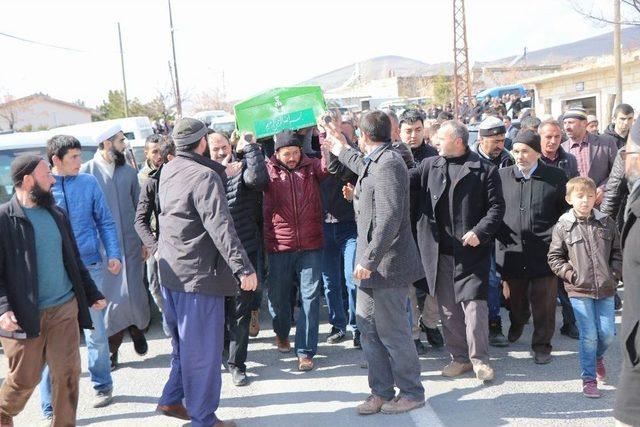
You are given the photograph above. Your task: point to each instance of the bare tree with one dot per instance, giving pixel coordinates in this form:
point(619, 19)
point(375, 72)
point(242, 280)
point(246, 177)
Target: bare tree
point(9, 111)
point(213, 100)
point(601, 12)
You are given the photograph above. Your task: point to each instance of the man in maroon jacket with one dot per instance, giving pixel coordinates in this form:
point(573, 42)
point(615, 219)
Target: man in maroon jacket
point(292, 211)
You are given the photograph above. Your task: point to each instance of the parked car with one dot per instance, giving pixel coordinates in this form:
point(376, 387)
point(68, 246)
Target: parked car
point(14, 144)
point(208, 116)
point(225, 124)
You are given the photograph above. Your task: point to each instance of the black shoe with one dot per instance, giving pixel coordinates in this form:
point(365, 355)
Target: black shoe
point(570, 331)
point(420, 348)
point(356, 340)
point(336, 336)
point(139, 343)
point(238, 377)
point(617, 302)
point(434, 337)
point(515, 332)
point(114, 361)
point(496, 337)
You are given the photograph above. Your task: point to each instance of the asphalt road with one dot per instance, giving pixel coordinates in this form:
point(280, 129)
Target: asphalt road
point(522, 393)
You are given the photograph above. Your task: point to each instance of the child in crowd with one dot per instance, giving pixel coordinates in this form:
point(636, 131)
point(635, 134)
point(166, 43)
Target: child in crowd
point(585, 253)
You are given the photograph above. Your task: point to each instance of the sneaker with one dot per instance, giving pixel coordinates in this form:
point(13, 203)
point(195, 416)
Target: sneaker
point(400, 405)
point(238, 377)
point(590, 389)
point(254, 324)
point(515, 332)
point(542, 358)
point(601, 372)
point(305, 364)
point(102, 398)
point(356, 340)
point(335, 336)
point(455, 369)
point(139, 342)
point(617, 302)
point(570, 331)
point(434, 337)
point(483, 371)
point(284, 346)
point(371, 405)
point(420, 348)
point(496, 337)
point(114, 361)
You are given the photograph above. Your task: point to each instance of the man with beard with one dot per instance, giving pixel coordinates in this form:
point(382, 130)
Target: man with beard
point(627, 406)
point(243, 191)
point(622, 122)
point(45, 295)
point(595, 153)
point(412, 134)
point(128, 307)
point(152, 156)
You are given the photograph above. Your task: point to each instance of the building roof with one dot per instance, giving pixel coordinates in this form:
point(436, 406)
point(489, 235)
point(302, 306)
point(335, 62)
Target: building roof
point(598, 64)
point(40, 97)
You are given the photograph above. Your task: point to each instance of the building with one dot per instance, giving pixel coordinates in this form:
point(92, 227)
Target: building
point(591, 86)
point(40, 112)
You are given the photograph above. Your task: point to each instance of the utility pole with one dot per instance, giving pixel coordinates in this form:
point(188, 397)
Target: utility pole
point(617, 47)
point(175, 64)
point(461, 78)
point(124, 80)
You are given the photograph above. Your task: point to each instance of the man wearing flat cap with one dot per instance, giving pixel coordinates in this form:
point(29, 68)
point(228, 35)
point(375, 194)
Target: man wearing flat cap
point(128, 307)
point(595, 153)
point(45, 295)
point(200, 261)
point(534, 197)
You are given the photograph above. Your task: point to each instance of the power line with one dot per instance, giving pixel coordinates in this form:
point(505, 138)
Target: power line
point(43, 44)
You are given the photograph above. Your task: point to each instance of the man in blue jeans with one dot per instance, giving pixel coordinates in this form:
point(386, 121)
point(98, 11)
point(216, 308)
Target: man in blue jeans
point(81, 196)
point(292, 213)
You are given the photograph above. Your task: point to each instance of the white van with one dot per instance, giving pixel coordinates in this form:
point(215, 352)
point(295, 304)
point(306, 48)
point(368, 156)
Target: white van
point(14, 144)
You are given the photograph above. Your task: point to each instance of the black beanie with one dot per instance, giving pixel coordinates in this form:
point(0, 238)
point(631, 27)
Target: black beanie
point(22, 166)
point(286, 138)
point(528, 137)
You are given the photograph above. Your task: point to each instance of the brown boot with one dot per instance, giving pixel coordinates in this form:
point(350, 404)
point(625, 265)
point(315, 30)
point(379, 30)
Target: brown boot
point(284, 346)
point(400, 405)
point(305, 364)
point(6, 420)
point(221, 423)
point(455, 369)
point(370, 406)
point(175, 411)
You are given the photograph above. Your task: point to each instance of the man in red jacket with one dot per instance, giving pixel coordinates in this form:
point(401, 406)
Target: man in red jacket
point(292, 211)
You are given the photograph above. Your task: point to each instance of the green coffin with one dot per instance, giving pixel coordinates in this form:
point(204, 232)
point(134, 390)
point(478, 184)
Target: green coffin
point(286, 108)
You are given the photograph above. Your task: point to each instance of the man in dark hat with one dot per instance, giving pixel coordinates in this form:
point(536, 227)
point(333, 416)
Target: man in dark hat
point(534, 197)
point(595, 153)
point(627, 407)
point(292, 215)
point(45, 294)
point(201, 261)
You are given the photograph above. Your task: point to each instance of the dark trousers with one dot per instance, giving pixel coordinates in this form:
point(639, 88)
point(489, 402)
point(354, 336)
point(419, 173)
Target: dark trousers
point(386, 341)
point(535, 297)
point(196, 322)
point(115, 340)
point(58, 346)
point(568, 318)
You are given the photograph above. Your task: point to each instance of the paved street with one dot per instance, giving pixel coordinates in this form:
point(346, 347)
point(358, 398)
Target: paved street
point(522, 394)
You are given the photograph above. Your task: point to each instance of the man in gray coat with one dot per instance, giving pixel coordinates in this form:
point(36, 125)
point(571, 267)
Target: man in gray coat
point(201, 260)
point(386, 265)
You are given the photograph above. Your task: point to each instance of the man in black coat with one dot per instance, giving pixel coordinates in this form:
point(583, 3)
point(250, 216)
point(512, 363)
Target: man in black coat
point(243, 190)
point(553, 154)
point(534, 197)
point(412, 134)
point(45, 294)
point(627, 407)
point(461, 208)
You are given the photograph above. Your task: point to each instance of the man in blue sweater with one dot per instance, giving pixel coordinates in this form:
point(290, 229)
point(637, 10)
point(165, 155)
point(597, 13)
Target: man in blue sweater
point(81, 196)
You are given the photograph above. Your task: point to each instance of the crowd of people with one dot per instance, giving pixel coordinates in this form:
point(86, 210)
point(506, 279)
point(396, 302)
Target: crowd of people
point(401, 223)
